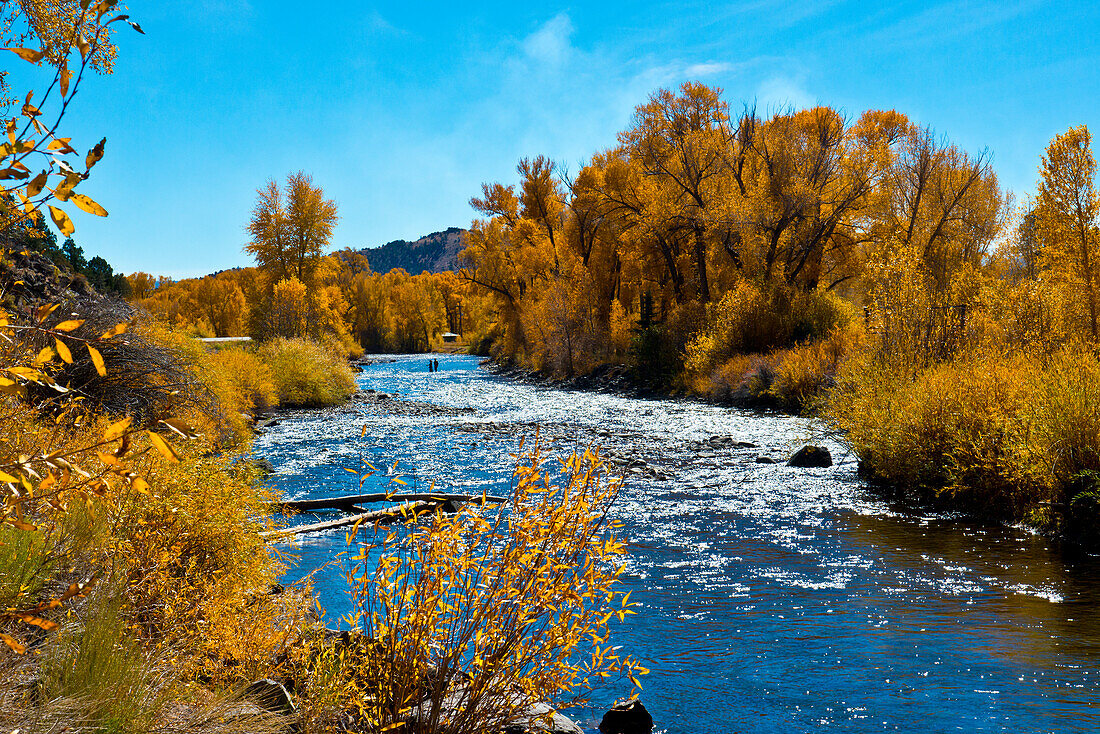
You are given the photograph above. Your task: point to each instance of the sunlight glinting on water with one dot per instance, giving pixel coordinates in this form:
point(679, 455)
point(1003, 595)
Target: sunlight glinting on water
point(773, 599)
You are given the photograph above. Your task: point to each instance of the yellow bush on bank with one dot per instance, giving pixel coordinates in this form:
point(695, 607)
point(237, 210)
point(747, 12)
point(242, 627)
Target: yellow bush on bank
point(994, 433)
point(128, 563)
point(251, 379)
point(307, 374)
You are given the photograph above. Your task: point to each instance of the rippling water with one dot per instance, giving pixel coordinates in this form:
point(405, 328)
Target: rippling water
point(773, 599)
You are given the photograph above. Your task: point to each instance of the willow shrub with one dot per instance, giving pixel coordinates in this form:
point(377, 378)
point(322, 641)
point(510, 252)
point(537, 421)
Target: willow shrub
point(472, 617)
point(1002, 435)
point(750, 320)
point(306, 373)
point(250, 379)
point(795, 379)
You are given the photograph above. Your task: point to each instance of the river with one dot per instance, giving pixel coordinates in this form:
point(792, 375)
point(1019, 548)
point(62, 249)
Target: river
point(773, 599)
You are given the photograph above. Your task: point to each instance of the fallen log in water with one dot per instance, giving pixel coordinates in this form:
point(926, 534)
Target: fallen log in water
point(347, 504)
point(408, 510)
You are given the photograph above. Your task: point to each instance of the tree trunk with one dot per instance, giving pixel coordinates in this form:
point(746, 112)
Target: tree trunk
point(701, 263)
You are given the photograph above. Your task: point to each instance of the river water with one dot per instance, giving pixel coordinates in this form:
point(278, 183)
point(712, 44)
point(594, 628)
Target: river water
point(773, 599)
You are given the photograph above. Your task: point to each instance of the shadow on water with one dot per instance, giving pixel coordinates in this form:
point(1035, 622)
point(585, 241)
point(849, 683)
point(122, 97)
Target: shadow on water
point(773, 599)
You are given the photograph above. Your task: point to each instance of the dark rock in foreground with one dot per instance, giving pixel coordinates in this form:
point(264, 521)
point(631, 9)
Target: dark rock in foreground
point(627, 717)
point(263, 465)
point(810, 457)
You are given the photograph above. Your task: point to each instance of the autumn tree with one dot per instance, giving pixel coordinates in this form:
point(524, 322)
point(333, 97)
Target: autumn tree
point(1066, 210)
point(676, 142)
point(290, 228)
point(936, 204)
point(142, 285)
point(289, 315)
point(222, 303)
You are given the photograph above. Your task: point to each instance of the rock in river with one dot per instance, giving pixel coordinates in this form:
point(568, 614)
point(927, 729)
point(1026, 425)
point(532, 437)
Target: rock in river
point(810, 457)
point(627, 717)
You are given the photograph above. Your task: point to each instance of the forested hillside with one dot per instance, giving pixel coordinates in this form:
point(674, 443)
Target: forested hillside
point(436, 253)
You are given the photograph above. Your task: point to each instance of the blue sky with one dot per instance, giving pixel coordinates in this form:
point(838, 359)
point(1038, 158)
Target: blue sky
point(401, 110)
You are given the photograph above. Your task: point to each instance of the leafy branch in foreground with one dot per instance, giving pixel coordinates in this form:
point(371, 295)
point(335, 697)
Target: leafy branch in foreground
point(33, 137)
point(469, 619)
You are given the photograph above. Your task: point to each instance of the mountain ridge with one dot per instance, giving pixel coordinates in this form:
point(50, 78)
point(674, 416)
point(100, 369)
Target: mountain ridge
point(435, 252)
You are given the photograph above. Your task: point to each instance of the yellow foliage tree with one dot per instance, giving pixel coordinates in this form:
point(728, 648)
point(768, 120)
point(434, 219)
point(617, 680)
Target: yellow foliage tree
point(289, 315)
point(290, 228)
point(1066, 215)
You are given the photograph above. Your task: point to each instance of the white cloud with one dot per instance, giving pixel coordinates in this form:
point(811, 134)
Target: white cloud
point(377, 22)
point(550, 44)
point(708, 68)
point(780, 92)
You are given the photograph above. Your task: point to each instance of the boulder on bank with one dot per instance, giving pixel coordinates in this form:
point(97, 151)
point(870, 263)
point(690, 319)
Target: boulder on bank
point(811, 457)
point(627, 717)
point(264, 466)
point(538, 720)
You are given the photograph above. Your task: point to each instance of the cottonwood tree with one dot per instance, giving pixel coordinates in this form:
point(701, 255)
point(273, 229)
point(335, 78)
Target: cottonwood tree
point(290, 228)
point(1066, 214)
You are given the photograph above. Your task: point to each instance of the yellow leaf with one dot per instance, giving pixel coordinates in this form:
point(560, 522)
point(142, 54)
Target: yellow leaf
point(34, 186)
point(86, 203)
point(95, 154)
point(162, 446)
point(117, 429)
point(108, 459)
point(140, 485)
point(27, 54)
point(5, 477)
point(69, 325)
point(97, 360)
point(45, 310)
point(118, 329)
point(44, 356)
point(32, 619)
point(63, 351)
point(64, 190)
point(83, 45)
point(13, 643)
point(61, 219)
point(180, 427)
point(66, 76)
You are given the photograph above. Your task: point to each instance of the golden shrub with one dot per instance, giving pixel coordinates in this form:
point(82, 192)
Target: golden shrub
point(970, 429)
point(495, 611)
point(307, 374)
point(251, 380)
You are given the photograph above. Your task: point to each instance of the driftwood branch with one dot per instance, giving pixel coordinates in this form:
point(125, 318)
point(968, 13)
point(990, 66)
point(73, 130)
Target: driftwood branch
point(348, 504)
point(409, 511)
